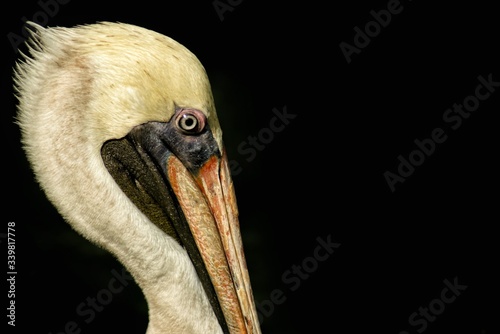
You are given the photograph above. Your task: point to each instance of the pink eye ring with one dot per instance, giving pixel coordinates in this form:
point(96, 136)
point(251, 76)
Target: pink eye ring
point(190, 121)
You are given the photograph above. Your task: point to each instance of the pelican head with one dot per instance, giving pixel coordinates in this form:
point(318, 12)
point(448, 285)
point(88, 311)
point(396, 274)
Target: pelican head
point(118, 123)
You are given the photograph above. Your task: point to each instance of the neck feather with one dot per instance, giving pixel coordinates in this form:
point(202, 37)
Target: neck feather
point(61, 145)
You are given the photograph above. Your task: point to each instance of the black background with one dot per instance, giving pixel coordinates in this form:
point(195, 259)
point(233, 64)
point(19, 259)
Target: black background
point(321, 177)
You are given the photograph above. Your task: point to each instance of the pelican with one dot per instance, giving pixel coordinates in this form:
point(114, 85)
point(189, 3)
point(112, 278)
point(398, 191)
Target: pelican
point(119, 126)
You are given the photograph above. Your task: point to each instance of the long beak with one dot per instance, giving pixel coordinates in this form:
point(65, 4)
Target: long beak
point(195, 204)
point(212, 216)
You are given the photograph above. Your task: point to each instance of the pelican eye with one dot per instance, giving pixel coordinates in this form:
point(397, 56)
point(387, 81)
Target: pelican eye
point(191, 121)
